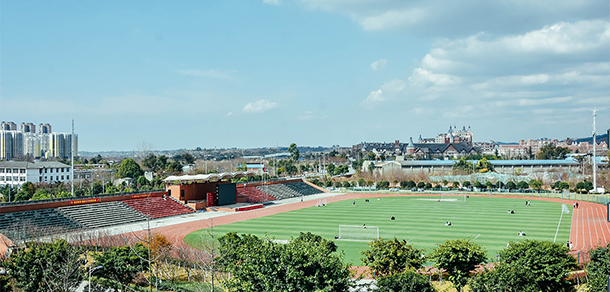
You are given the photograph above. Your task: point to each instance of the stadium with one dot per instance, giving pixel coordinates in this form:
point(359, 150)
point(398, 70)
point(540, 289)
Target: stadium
point(194, 208)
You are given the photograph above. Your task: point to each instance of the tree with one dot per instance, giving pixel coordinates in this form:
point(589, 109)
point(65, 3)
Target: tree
point(463, 165)
point(456, 184)
point(421, 184)
point(142, 181)
point(162, 162)
point(584, 186)
point(389, 257)
point(188, 158)
point(544, 263)
point(550, 151)
point(129, 168)
point(361, 182)
point(403, 184)
point(408, 281)
point(504, 278)
point(484, 166)
point(523, 185)
point(40, 195)
point(150, 162)
point(511, 185)
point(294, 152)
point(47, 267)
point(458, 257)
point(306, 263)
point(536, 184)
point(599, 269)
point(411, 184)
point(346, 184)
point(119, 265)
point(466, 184)
point(330, 168)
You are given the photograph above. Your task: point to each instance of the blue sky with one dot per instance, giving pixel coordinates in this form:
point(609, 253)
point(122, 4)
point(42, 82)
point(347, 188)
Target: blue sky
point(186, 74)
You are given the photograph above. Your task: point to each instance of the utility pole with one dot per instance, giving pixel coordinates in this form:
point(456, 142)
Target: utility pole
point(594, 153)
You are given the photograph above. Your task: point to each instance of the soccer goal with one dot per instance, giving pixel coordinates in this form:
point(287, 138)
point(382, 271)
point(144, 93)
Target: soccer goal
point(358, 233)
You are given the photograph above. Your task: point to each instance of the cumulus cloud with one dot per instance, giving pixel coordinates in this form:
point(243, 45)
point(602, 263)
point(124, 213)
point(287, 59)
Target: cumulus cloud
point(392, 19)
point(511, 76)
point(379, 64)
point(259, 106)
point(307, 116)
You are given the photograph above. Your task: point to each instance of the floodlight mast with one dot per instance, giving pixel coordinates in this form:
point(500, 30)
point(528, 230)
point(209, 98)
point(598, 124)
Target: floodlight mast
point(594, 153)
point(72, 160)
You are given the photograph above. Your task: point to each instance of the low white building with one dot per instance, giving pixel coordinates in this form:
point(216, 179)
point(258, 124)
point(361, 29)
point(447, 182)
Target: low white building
point(16, 173)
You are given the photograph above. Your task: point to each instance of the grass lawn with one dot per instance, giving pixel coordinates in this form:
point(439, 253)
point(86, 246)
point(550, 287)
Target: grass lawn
point(419, 220)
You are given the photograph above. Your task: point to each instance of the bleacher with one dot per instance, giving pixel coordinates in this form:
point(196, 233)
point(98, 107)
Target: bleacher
point(303, 188)
point(25, 224)
point(102, 214)
point(255, 195)
point(157, 207)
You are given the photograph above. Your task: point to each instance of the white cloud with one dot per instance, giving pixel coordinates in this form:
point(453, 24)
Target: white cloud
point(375, 96)
point(259, 106)
point(207, 73)
point(272, 2)
point(379, 64)
point(392, 19)
point(552, 100)
point(228, 114)
point(307, 116)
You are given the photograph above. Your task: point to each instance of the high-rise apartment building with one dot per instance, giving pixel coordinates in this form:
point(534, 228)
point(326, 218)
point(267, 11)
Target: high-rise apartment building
point(8, 126)
point(44, 129)
point(27, 128)
point(26, 142)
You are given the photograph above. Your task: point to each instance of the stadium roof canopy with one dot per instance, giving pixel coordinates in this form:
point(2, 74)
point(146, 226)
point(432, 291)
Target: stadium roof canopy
point(212, 177)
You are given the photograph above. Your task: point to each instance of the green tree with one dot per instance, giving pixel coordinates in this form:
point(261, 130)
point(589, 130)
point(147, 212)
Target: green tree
point(294, 152)
point(389, 257)
point(41, 195)
point(466, 184)
point(188, 158)
point(346, 184)
point(47, 267)
point(129, 168)
point(119, 265)
point(523, 185)
point(550, 151)
point(484, 166)
point(504, 278)
point(408, 281)
point(599, 269)
point(463, 165)
point(536, 184)
point(421, 184)
point(458, 257)
point(511, 185)
point(411, 184)
point(544, 263)
point(142, 181)
point(162, 162)
point(330, 168)
point(306, 263)
point(584, 186)
point(403, 184)
point(361, 182)
point(150, 162)
point(456, 184)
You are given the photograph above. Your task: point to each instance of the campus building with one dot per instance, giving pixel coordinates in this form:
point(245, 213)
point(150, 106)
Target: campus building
point(16, 173)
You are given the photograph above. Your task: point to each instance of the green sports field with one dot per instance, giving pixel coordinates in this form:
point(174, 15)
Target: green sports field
point(419, 220)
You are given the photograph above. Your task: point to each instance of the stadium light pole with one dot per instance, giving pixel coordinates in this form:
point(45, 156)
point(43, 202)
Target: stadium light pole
point(72, 160)
point(594, 153)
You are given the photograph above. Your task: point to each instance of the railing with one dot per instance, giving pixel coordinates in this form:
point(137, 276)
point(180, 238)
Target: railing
point(599, 199)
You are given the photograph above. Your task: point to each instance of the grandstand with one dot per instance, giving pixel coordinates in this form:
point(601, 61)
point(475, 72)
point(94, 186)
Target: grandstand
point(23, 224)
point(254, 195)
point(102, 214)
point(157, 207)
point(289, 190)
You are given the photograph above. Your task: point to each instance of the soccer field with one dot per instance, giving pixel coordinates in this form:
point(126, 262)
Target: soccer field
point(419, 220)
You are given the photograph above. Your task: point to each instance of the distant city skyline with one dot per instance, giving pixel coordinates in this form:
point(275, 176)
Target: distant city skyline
point(313, 72)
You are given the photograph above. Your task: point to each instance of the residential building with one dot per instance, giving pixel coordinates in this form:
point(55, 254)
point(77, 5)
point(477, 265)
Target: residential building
point(16, 173)
point(44, 129)
point(27, 128)
point(8, 126)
